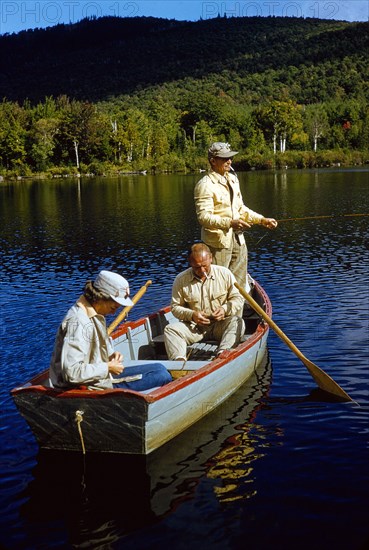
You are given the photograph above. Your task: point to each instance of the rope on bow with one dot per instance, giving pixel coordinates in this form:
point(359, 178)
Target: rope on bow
point(79, 419)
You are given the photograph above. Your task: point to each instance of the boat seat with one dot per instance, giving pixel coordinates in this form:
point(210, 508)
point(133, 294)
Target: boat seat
point(199, 351)
point(157, 342)
point(203, 350)
point(158, 339)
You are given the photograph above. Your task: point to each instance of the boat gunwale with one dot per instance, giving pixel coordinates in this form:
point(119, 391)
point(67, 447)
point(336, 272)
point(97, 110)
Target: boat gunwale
point(158, 393)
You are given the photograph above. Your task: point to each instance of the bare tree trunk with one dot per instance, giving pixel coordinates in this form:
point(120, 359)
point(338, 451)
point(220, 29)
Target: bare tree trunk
point(75, 143)
point(148, 148)
point(114, 126)
point(283, 143)
point(130, 153)
point(315, 142)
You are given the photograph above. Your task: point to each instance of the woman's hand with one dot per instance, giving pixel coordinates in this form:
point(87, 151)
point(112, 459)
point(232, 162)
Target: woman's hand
point(115, 365)
point(116, 356)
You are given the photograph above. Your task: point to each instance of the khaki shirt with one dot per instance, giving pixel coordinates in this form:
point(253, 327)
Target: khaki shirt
point(82, 350)
point(190, 294)
point(218, 200)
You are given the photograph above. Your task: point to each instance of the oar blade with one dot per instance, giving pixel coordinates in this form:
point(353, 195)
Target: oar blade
point(324, 381)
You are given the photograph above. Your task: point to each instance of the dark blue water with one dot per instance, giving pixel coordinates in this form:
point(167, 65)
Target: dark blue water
point(278, 465)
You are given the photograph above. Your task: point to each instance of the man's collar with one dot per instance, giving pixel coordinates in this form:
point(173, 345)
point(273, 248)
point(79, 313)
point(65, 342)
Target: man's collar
point(218, 178)
point(86, 306)
point(210, 276)
point(216, 174)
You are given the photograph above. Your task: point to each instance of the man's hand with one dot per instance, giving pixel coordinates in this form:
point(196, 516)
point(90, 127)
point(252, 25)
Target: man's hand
point(270, 223)
point(240, 225)
point(200, 318)
point(219, 314)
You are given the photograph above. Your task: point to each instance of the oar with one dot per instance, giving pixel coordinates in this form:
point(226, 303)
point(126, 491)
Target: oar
point(324, 381)
point(125, 311)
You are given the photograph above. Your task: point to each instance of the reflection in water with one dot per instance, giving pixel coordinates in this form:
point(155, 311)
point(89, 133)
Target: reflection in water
point(234, 465)
point(103, 498)
point(98, 497)
point(290, 460)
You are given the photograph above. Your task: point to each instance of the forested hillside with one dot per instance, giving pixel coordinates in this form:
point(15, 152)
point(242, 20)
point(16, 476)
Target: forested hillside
point(116, 94)
point(97, 59)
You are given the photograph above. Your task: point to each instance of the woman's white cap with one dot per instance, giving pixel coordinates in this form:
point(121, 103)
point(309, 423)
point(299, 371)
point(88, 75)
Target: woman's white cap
point(115, 286)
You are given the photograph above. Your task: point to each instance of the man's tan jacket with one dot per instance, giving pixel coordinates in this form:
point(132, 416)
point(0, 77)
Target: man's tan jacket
point(218, 201)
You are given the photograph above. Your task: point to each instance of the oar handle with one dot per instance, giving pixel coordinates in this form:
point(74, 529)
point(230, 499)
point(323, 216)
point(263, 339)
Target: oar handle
point(270, 321)
point(125, 311)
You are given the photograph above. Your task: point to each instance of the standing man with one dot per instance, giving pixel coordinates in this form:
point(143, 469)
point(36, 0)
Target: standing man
point(222, 214)
point(206, 302)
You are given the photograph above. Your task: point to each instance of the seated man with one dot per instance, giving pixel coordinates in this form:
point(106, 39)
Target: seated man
point(207, 304)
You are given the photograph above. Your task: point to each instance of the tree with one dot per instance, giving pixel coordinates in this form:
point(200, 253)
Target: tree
point(316, 122)
point(279, 120)
point(84, 132)
point(13, 133)
point(136, 134)
point(42, 139)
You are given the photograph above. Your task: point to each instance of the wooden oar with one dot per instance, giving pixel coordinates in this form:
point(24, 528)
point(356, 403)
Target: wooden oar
point(324, 381)
point(125, 311)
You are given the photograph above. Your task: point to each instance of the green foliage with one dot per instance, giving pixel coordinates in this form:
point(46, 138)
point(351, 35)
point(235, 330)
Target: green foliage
point(112, 95)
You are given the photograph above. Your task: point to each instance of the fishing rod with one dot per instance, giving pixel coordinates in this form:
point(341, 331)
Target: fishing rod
point(328, 216)
point(321, 217)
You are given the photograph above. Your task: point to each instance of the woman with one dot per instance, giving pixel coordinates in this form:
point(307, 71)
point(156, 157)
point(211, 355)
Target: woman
point(83, 352)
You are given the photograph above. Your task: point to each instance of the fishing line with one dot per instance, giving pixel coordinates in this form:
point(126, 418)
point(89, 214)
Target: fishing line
point(261, 238)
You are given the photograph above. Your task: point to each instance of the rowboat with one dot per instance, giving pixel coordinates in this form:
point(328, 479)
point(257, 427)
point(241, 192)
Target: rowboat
point(157, 483)
point(132, 422)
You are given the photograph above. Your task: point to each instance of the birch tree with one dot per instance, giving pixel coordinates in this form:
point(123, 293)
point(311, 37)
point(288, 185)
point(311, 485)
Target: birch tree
point(316, 123)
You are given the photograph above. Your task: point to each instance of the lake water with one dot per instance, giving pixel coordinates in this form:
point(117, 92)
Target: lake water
point(278, 465)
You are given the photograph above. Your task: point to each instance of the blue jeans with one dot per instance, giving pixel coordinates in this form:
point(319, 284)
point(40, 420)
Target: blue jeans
point(153, 375)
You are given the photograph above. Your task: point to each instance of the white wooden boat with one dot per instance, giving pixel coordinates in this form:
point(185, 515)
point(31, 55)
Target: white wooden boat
point(131, 422)
point(149, 487)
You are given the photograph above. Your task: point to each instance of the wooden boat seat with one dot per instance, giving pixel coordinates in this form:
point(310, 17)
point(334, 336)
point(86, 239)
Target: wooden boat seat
point(200, 351)
point(204, 350)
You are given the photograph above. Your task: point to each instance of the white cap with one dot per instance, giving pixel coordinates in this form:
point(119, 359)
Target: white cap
point(115, 286)
point(221, 150)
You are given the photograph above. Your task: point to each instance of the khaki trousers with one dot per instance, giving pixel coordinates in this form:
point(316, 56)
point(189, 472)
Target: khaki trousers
point(235, 258)
point(177, 336)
